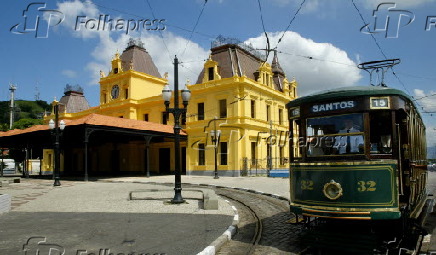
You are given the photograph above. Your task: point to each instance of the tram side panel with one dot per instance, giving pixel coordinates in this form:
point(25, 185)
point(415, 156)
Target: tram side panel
point(366, 192)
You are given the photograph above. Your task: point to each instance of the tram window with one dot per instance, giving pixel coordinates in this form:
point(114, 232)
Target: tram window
point(297, 145)
point(381, 132)
point(335, 135)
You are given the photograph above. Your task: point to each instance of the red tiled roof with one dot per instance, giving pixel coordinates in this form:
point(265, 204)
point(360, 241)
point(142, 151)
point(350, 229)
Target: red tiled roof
point(23, 131)
point(101, 120)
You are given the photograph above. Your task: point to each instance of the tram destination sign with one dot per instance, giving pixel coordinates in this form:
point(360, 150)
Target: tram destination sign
point(333, 106)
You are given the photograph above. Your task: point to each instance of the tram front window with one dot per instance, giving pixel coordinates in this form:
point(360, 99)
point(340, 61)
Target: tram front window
point(335, 135)
point(381, 132)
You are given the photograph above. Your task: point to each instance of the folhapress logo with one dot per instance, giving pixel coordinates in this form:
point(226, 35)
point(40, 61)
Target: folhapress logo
point(388, 20)
point(38, 20)
point(38, 246)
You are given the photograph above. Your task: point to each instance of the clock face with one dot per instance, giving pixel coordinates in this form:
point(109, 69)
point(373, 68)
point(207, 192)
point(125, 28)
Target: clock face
point(115, 92)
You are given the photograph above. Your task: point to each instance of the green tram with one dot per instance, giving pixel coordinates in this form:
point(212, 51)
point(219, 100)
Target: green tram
point(357, 153)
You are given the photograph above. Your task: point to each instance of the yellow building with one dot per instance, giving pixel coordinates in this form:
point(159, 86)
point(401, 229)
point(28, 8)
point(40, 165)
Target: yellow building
point(236, 93)
point(132, 89)
point(244, 98)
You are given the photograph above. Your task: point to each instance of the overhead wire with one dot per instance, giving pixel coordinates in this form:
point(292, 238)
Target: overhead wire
point(268, 46)
point(160, 32)
point(195, 26)
point(365, 24)
point(208, 36)
point(290, 23)
point(415, 99)
point(380, 49)
point(318, 59)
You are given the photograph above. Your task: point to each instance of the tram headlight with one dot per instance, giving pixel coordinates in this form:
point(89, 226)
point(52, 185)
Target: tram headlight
point(332, 190)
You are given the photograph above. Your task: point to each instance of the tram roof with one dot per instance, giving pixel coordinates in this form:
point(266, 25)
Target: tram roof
point(346, 92)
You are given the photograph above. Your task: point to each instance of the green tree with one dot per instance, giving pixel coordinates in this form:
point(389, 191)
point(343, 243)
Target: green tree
point(25, 123)
point(4, 127)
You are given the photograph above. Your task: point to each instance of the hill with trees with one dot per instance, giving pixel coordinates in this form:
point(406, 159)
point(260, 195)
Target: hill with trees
point(26, 114)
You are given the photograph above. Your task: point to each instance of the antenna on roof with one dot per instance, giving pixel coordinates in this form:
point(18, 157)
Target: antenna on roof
point(380, 66)
point(12, 88)
point(37, 94)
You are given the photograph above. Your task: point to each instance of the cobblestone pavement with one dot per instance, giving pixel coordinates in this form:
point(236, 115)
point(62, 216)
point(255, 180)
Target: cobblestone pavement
point(263, 228)
point(30, 189)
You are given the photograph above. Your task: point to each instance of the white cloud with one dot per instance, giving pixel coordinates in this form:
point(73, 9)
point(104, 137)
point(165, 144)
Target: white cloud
point(111, 42)
point(310, 6)
point(69, 73)
point(431, 135)
point(191, 59)
point(329, 67)
point(72, 10)
point(426, 99)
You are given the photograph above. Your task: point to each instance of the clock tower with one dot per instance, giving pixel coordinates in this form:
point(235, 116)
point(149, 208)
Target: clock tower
point(133, 76)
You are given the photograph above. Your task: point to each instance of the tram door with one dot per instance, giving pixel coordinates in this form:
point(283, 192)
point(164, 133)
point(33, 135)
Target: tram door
point(404, 188)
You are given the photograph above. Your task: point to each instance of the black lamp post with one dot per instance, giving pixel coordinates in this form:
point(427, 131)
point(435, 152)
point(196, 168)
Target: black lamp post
point(177, 112)
point(215, 135)
point(56, 128)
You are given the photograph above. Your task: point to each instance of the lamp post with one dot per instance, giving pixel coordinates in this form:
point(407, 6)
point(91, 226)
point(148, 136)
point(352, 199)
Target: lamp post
point(56, 128)
point(177, 113)
point(2, 166)
point(215, 136)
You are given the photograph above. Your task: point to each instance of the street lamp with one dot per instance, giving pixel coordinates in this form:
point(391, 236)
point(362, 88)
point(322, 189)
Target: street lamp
point(215, 136)
point(56, 129)
point(177, 112)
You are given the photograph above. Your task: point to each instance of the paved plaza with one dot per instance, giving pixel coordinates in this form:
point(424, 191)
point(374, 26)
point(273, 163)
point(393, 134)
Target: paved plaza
point(99, 217)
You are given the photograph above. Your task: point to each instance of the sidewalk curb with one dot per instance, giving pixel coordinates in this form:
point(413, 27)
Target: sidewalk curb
point(231, 230)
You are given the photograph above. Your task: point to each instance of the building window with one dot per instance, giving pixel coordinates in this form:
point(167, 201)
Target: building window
point(184, 118)
point(210, 73)
point(200, 111)
point(268, 112)
point(146, 117)
point(223, 108)
point(126, 93)
point(253, 153)
point(201, 154)
point(282, 159)
point(121, 117)
point(280, 116)
point(164, 118)
point(253, 109)
point(223, 153)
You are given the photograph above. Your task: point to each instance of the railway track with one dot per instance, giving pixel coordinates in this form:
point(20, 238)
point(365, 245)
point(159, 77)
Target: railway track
point(263, 225)
point(264, 228)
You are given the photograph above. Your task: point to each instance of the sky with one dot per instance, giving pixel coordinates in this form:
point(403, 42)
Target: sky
point(49, 44)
